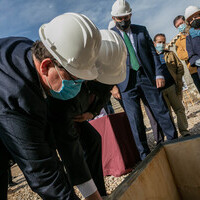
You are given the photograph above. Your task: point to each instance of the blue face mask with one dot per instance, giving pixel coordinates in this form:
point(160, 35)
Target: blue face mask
point(194, 33)
point(70, 88)
point(182, 28)
point(160, 47)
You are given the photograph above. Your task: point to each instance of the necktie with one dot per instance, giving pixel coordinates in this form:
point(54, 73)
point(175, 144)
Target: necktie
point(133, 59)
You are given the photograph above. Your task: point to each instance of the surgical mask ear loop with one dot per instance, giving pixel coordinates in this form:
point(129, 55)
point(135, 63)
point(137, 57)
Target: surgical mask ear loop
point(58, 72)
point(62, 78)
point(48, 82)
point(58, 75)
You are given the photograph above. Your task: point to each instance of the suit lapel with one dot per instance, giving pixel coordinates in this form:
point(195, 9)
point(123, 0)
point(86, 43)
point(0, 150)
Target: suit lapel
point(134, 37)
point(117, 30)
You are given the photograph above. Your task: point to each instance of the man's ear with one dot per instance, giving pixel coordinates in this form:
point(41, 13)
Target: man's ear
point(45, 65)
point(114, 19)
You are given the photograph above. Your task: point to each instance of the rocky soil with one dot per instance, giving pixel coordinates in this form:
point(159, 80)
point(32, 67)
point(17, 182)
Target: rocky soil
point(22, 191)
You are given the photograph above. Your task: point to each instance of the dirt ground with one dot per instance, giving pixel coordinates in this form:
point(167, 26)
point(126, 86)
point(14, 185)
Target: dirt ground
point(22, 191)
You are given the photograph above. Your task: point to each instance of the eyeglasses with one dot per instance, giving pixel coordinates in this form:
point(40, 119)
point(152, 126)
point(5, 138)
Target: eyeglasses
point(122, 18)
point(194, 17)
point(57, 64)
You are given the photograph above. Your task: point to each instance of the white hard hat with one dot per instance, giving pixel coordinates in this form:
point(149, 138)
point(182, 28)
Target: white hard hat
point(74, 41)
point(191, 10)
point(111, 62)
point(111, 24)
point(121, 8)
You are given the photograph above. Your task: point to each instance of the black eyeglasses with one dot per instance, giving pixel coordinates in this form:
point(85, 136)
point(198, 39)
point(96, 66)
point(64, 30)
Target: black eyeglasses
point(122, 18)
point(57, 64)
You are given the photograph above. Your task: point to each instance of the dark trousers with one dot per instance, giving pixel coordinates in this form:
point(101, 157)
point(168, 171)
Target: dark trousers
point(91, 142)
point(157, 131)
point(85, 162)
point(36, 157)
point(108, 108)
point(4, 159)
point(148, 93)
point(196, 79)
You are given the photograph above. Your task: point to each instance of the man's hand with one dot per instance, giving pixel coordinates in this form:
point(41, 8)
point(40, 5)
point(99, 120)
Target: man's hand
point(83, 117)
point(115, 92)
point(160, 82)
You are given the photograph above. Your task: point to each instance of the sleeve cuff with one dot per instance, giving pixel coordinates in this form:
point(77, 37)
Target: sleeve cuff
point(162, 77)
point(87, 188)
point(197, 62)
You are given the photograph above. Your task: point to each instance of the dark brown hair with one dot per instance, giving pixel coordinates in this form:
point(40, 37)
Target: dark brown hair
point(159, 34)
point(177, 18)
point(40, 51)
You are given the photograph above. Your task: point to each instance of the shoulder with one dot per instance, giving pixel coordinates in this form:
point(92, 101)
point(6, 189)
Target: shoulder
point(178, 41)
point(138, 28)
point(188, 38)
point(11, 43)
point(15, 40)
point(169, 52)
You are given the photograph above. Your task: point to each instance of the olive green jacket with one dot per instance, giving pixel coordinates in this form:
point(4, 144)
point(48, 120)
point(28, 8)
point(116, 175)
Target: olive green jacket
point(175, 68)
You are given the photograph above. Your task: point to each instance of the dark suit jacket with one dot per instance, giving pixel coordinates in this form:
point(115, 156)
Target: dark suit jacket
point(146, 54)
point(193, 49)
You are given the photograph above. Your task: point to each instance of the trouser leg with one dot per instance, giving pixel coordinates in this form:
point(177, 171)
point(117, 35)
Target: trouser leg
point(4, 158)
point(9, 175)
point(156, 102)
point(196, 80)
point(71, 152)
point(177, 105)
point(131, 102)
point(157, 131)
point(91, 142)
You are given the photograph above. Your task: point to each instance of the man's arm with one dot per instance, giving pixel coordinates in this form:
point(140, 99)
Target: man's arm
point(179, 73)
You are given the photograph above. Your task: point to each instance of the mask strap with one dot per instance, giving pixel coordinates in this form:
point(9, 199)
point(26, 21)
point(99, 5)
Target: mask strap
point(48, 82)
point(58, 72)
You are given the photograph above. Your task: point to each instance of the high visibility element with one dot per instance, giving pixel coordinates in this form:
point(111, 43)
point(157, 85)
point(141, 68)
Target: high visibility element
point(74, 41)
point(191, 10)
point(121, 8)
point(111, 62)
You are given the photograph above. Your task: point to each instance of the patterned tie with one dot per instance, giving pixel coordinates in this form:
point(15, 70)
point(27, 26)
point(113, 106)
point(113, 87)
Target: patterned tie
point(134, 62)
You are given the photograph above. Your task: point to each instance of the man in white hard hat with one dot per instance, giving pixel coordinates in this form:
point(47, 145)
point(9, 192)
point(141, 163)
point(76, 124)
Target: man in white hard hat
point(192, 16)
point(86, 105)
point(54, 66)
point(143, 80)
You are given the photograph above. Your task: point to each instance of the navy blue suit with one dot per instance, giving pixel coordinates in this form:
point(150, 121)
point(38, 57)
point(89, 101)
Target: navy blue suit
point(25, 130)
point(142, 85)
point(193, 49)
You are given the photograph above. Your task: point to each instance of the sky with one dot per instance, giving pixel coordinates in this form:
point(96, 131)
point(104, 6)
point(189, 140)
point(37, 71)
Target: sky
point(24, 17)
